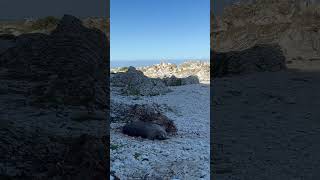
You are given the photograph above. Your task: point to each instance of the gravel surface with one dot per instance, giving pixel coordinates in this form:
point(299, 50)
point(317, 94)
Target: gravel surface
point(183, 156)
point(266, 126)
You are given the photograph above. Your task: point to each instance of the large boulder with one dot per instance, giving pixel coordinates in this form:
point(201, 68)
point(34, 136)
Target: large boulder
point(134, 82)
point(174, 81)
point(67, 67)
point(260, 58)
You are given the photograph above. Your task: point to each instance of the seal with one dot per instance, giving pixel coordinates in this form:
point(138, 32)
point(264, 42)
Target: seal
point(145, 130)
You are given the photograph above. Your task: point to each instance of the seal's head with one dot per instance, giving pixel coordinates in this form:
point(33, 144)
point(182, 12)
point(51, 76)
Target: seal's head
point(162, 135)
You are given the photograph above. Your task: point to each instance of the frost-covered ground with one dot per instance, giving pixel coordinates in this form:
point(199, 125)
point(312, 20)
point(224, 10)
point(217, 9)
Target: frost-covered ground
point(183, 156)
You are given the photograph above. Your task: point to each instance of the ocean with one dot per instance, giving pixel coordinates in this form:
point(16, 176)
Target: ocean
point(141, 63)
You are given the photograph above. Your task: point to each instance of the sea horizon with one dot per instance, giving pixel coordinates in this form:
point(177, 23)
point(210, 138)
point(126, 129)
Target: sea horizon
point(142, 63)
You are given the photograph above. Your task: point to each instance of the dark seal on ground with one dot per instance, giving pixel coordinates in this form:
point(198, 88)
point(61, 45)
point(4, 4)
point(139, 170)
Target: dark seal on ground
point(145, 129)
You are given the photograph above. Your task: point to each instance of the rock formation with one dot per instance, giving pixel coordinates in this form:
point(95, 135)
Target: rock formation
point(199, 69)
point(66, 67)
point(293, 24)
point(259, 58)
point(44, 80)
point(174, 81)
point(134, 82)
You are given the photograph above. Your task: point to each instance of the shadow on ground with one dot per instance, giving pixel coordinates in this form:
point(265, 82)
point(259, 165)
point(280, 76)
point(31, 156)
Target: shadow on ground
point(266, 125)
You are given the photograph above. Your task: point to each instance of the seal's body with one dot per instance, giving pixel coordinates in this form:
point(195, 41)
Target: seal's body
point(145, 129)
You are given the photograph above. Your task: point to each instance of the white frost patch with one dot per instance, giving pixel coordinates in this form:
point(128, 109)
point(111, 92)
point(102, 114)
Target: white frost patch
point(183, 156)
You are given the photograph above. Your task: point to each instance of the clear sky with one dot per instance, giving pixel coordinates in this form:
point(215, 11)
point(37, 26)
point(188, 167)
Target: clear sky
point(159, 29)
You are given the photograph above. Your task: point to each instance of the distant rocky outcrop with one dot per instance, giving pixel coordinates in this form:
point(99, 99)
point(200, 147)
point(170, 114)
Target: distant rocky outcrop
point(198, 69)
point(259, 58)
point(134, 82)
point(293, 24)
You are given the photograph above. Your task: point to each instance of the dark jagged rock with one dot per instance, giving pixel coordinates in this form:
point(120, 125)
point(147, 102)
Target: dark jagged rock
point(66, 67)
point(45, 81)
point(257, 59)
point(174, 81)
point(134, 82)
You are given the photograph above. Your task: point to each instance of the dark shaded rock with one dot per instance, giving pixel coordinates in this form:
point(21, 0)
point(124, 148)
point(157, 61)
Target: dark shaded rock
point(134, 82)
point(174, 81)
point(260, 58)
point(145, 129)
point(46, 80)
point(88, 154)
point(67, 67)
point(7, 37)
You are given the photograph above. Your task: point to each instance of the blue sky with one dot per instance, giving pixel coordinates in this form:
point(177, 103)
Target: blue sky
point(159, 29)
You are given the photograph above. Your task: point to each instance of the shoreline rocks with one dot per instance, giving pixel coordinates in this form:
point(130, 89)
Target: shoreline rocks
point(199, 69)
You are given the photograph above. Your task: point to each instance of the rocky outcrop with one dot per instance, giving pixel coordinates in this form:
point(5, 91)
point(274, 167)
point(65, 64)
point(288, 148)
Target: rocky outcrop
point(260, 58)
point(174, 81)
point(46, 81)
point(293, 24)
point(199, 69)
point(66, 67)
point(47, 24)
point(134, 82)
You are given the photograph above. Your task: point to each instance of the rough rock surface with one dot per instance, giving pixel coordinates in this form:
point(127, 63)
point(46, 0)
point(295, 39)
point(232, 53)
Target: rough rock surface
point(18, 27)
point(199, 69)
point(53, 96)
point(174, 81)
point(66, 67)
point(134, 82)
point(257, 59)
point(293, 24)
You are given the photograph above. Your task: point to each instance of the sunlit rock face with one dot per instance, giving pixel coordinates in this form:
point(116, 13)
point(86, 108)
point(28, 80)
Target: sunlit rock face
point(199, 69)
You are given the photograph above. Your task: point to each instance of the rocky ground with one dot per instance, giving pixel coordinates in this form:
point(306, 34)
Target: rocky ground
point(266, 126)
point(185, 155)
point(265, 118)
point(53, 98)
